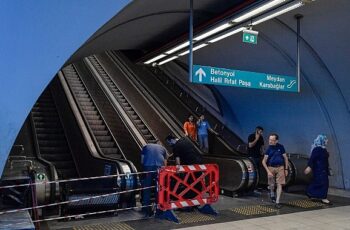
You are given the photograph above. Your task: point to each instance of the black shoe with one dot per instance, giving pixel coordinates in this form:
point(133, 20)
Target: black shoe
point(278, 206)
point(273, 199)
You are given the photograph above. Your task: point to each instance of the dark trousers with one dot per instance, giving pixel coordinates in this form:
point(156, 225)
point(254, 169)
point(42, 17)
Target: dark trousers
point(149, 180)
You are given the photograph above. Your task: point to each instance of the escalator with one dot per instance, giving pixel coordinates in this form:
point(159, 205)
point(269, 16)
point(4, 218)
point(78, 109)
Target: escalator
point(128, 108)
point(244, 176)
point(100, 130)
point(50, 136)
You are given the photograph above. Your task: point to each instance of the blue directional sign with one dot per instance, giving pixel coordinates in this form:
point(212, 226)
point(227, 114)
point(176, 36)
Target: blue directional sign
point(237, 78)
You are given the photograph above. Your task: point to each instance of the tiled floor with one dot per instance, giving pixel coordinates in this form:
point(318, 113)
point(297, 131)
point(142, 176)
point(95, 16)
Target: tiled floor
point(324, 219)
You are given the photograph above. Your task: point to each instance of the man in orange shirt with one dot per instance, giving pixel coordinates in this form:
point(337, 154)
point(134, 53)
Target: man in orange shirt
point(190, 128)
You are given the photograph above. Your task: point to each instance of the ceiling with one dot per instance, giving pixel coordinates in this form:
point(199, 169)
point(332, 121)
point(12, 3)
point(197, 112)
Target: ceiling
point(146, 25)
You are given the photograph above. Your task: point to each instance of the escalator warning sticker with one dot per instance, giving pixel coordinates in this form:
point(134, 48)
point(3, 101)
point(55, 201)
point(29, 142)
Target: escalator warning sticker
point(108, 169)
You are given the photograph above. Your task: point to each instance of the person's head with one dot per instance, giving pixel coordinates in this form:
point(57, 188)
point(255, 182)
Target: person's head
point(190, 118)
point(201, 117)
point(273, 139)
point(171, 140)
point(320, 141)
point(259, 129)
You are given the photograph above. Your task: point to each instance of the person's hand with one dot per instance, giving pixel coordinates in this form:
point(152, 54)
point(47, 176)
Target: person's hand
point(269, 174)
point(286, 172)
point(307, 170)
point(257, 136)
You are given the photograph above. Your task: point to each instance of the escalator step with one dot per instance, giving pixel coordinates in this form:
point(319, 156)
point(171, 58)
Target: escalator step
point(138, 122)
point(85, 103)
point(87, 107)
point(141, 126)
point(104, 138)
point(48, 131)
point(148, 136)
point(56, 149)
point(98, 127)
point(52, 143)
point(50, 136)
point(144, 131)
point(57, 156)
point(100, 132)
point(84, 99)
point(106, 144)
point(110, 151)
point(95, 122)
point(92, 117)
point(95, 113)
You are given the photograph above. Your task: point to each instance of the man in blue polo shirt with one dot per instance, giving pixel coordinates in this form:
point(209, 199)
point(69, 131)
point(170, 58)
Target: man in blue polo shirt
point(275, 163)
point(153, 156)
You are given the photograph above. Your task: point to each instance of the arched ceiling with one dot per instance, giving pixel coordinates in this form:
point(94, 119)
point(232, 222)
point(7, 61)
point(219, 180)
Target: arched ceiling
point(146, 25)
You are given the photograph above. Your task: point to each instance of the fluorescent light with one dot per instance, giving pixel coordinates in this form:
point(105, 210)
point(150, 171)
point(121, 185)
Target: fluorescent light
point(213, 31)
point(155, 59)
point(183, 45)
point(258, 10)
point(167, 60)
point(227, 34)
point(194, 49)
point(289, 8)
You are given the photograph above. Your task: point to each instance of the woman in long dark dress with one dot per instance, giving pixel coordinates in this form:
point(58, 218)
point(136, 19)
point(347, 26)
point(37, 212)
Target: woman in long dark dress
point(318, 165)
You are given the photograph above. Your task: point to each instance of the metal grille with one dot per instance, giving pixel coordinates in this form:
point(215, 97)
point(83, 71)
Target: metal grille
point(305, 204)
point(108, 226)
point(193, 217)
point(254, 210)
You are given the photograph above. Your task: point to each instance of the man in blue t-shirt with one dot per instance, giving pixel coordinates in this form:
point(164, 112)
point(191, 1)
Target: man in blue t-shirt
point(153, 156)
point(275, 163)
point(202, 130)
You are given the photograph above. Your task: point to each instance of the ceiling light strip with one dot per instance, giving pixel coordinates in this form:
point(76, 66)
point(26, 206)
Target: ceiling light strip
point(277, 13)
point(213, 31)
point(235, 31)
point(155, 59)
point(167, 60)
point(173, 50)
point(258, 10)
point(194, 49)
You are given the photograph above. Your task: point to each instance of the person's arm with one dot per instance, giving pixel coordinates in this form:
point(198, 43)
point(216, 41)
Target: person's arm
point(177, 161)
point(185, 129)
point(285, 163)
point(265, 166)
point(310, 163)
point(251, 142)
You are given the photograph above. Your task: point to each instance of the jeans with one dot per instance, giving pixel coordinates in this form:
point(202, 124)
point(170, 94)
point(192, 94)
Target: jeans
point(203, 142)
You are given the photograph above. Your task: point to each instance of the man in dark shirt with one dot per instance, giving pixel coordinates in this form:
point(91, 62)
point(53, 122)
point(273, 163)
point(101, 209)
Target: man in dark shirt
point(255, 145)
point(184, 151)
point(275, 163)
point(186, 154)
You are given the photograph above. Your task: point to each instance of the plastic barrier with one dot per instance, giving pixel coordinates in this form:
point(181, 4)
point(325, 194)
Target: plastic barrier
point(187, 185)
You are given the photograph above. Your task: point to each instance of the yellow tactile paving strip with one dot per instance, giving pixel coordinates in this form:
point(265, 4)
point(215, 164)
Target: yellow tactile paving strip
point(107, 226)
point(193, 217)
point(254, 210)
point(305, 203)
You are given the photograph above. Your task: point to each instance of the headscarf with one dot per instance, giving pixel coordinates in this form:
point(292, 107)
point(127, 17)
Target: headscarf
point(320, 141)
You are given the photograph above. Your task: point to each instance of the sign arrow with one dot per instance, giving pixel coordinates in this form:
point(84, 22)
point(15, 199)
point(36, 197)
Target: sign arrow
point(200, 72)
